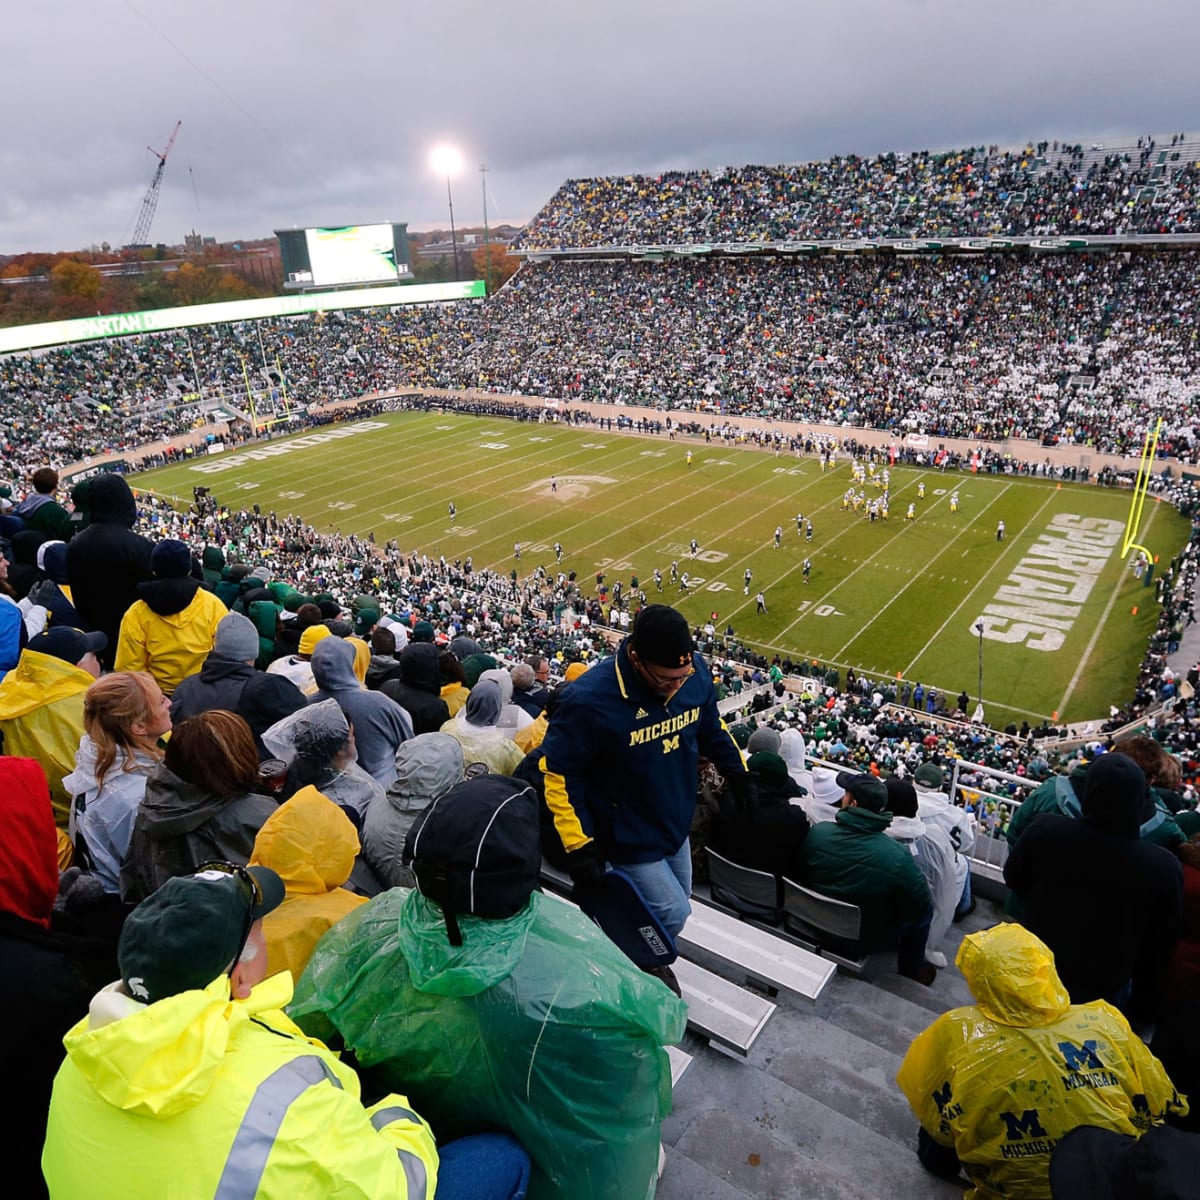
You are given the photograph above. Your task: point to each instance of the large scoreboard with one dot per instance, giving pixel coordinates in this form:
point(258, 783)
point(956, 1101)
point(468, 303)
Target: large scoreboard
point(330, 256)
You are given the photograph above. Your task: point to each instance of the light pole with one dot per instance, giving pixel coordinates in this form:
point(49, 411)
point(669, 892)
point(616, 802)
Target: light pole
point(446, 160)
point(487, 243)
point(979, 630)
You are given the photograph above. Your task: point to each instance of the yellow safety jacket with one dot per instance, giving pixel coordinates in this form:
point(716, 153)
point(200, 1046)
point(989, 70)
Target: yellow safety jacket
point(1001, 1081)
point(41, 717)
point(200, 1097)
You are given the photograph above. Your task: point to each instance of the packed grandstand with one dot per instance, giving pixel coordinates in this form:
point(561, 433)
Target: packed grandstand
point(1081, 348)
point(996, 338)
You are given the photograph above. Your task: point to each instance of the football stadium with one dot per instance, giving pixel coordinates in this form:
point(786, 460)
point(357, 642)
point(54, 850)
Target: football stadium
point(792, 567)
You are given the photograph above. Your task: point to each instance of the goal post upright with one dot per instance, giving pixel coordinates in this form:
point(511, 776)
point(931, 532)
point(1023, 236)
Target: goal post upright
point(1141, 485)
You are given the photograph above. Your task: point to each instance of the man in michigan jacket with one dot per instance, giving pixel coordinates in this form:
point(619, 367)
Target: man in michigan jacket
point(621, 760)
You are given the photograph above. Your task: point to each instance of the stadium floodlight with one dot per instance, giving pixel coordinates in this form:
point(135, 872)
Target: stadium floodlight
point(447, 160)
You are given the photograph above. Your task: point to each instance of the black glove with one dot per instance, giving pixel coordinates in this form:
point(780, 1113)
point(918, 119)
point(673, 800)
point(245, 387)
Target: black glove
point(45, 592)
point(745, 793)
point(585, 868)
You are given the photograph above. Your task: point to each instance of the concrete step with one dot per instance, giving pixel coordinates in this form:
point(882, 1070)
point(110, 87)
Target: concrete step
point(868, 1096)
point(949, 991)
point(849, 1073)
point(684, 1178)
point(790, 1028)
point(910, 1013)
point(874, 1026)
point(753, 1163)
point(729, 1114)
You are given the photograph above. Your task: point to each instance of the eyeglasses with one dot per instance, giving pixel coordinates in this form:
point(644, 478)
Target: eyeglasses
point(663, 682)
point(253, 893)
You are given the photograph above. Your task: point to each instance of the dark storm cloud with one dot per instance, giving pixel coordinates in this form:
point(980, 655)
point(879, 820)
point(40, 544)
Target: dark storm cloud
point(296, 114)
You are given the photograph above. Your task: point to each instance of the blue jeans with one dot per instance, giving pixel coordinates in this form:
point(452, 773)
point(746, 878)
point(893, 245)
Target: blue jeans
point(666, 886)
point(484, 1166)
point(911, 937)
point(964, 901)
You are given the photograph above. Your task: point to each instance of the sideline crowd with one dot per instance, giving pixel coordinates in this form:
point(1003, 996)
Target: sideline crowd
point(232, 746)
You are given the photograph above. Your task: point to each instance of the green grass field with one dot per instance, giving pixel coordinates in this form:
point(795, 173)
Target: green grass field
point(891, 598)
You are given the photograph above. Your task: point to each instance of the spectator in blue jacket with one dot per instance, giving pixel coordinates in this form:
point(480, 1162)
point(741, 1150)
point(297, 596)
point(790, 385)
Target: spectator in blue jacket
point(621, 760)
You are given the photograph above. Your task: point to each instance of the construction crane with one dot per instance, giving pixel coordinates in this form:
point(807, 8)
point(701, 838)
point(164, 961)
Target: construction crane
point(141, 230)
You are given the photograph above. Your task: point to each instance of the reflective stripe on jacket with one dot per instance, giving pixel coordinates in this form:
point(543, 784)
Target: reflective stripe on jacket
point(199, 1096)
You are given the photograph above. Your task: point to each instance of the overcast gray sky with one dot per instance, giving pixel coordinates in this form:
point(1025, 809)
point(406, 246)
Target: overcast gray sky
point(301, 113)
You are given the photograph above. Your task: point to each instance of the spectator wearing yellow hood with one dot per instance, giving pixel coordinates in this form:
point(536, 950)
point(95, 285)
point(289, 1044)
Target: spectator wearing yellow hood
point(311, 845)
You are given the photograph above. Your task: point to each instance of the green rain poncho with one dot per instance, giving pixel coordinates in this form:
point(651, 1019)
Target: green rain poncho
point(537, 1025)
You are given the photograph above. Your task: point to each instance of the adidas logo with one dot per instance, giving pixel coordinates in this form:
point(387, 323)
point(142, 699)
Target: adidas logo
point(641, 714)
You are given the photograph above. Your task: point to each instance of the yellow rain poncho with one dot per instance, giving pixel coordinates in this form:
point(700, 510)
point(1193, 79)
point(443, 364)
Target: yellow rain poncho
point(1002, 1080)
point(311, 845)
point(41, 717)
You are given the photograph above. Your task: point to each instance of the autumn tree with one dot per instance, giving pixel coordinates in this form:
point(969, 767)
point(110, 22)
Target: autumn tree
point(75, 280)
point(502, 267)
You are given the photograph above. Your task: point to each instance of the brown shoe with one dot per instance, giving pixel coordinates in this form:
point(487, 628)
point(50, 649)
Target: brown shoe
point(925, 974)
point(667, 976)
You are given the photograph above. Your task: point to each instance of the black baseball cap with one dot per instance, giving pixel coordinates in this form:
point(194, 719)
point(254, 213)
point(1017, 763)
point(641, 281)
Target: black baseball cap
point(68, 643)
point(868, 792)
point(661, 636)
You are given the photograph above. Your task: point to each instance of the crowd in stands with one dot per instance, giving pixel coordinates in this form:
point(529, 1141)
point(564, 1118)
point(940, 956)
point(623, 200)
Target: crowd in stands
point(232, 745)
point(1043, 190)
point(1085, 349)
point(302, 706)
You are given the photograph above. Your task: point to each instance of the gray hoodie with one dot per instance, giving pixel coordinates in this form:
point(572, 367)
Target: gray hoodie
point(512, 717)
point(380, 724)
point(426, 767)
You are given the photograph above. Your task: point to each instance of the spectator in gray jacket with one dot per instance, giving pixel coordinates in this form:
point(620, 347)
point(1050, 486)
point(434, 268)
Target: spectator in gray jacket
point(380, 725)
point(426, 767)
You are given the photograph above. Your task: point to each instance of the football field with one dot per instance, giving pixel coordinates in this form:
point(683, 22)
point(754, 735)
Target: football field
point(898, 598)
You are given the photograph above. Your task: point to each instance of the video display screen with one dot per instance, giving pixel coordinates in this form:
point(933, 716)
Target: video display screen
point(337, 255)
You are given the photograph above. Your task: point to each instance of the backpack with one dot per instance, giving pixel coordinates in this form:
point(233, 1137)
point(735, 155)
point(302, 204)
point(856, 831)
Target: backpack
point(477, 850)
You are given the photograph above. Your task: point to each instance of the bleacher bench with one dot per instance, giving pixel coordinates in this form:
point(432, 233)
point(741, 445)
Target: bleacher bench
point(724, 1014)
point(754, 953)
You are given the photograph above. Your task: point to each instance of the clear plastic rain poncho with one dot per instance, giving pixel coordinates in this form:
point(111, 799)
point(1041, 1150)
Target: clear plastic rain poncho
point(316, 732)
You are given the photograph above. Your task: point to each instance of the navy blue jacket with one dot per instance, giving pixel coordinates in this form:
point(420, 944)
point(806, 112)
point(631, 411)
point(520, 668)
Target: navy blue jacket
point(621, 767)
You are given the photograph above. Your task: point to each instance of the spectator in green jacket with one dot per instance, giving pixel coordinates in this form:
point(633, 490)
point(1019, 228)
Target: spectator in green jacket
point(851, 858)
point(39, 510)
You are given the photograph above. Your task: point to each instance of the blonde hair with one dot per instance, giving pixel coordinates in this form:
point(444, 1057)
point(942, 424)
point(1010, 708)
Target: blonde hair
point(111, 707)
